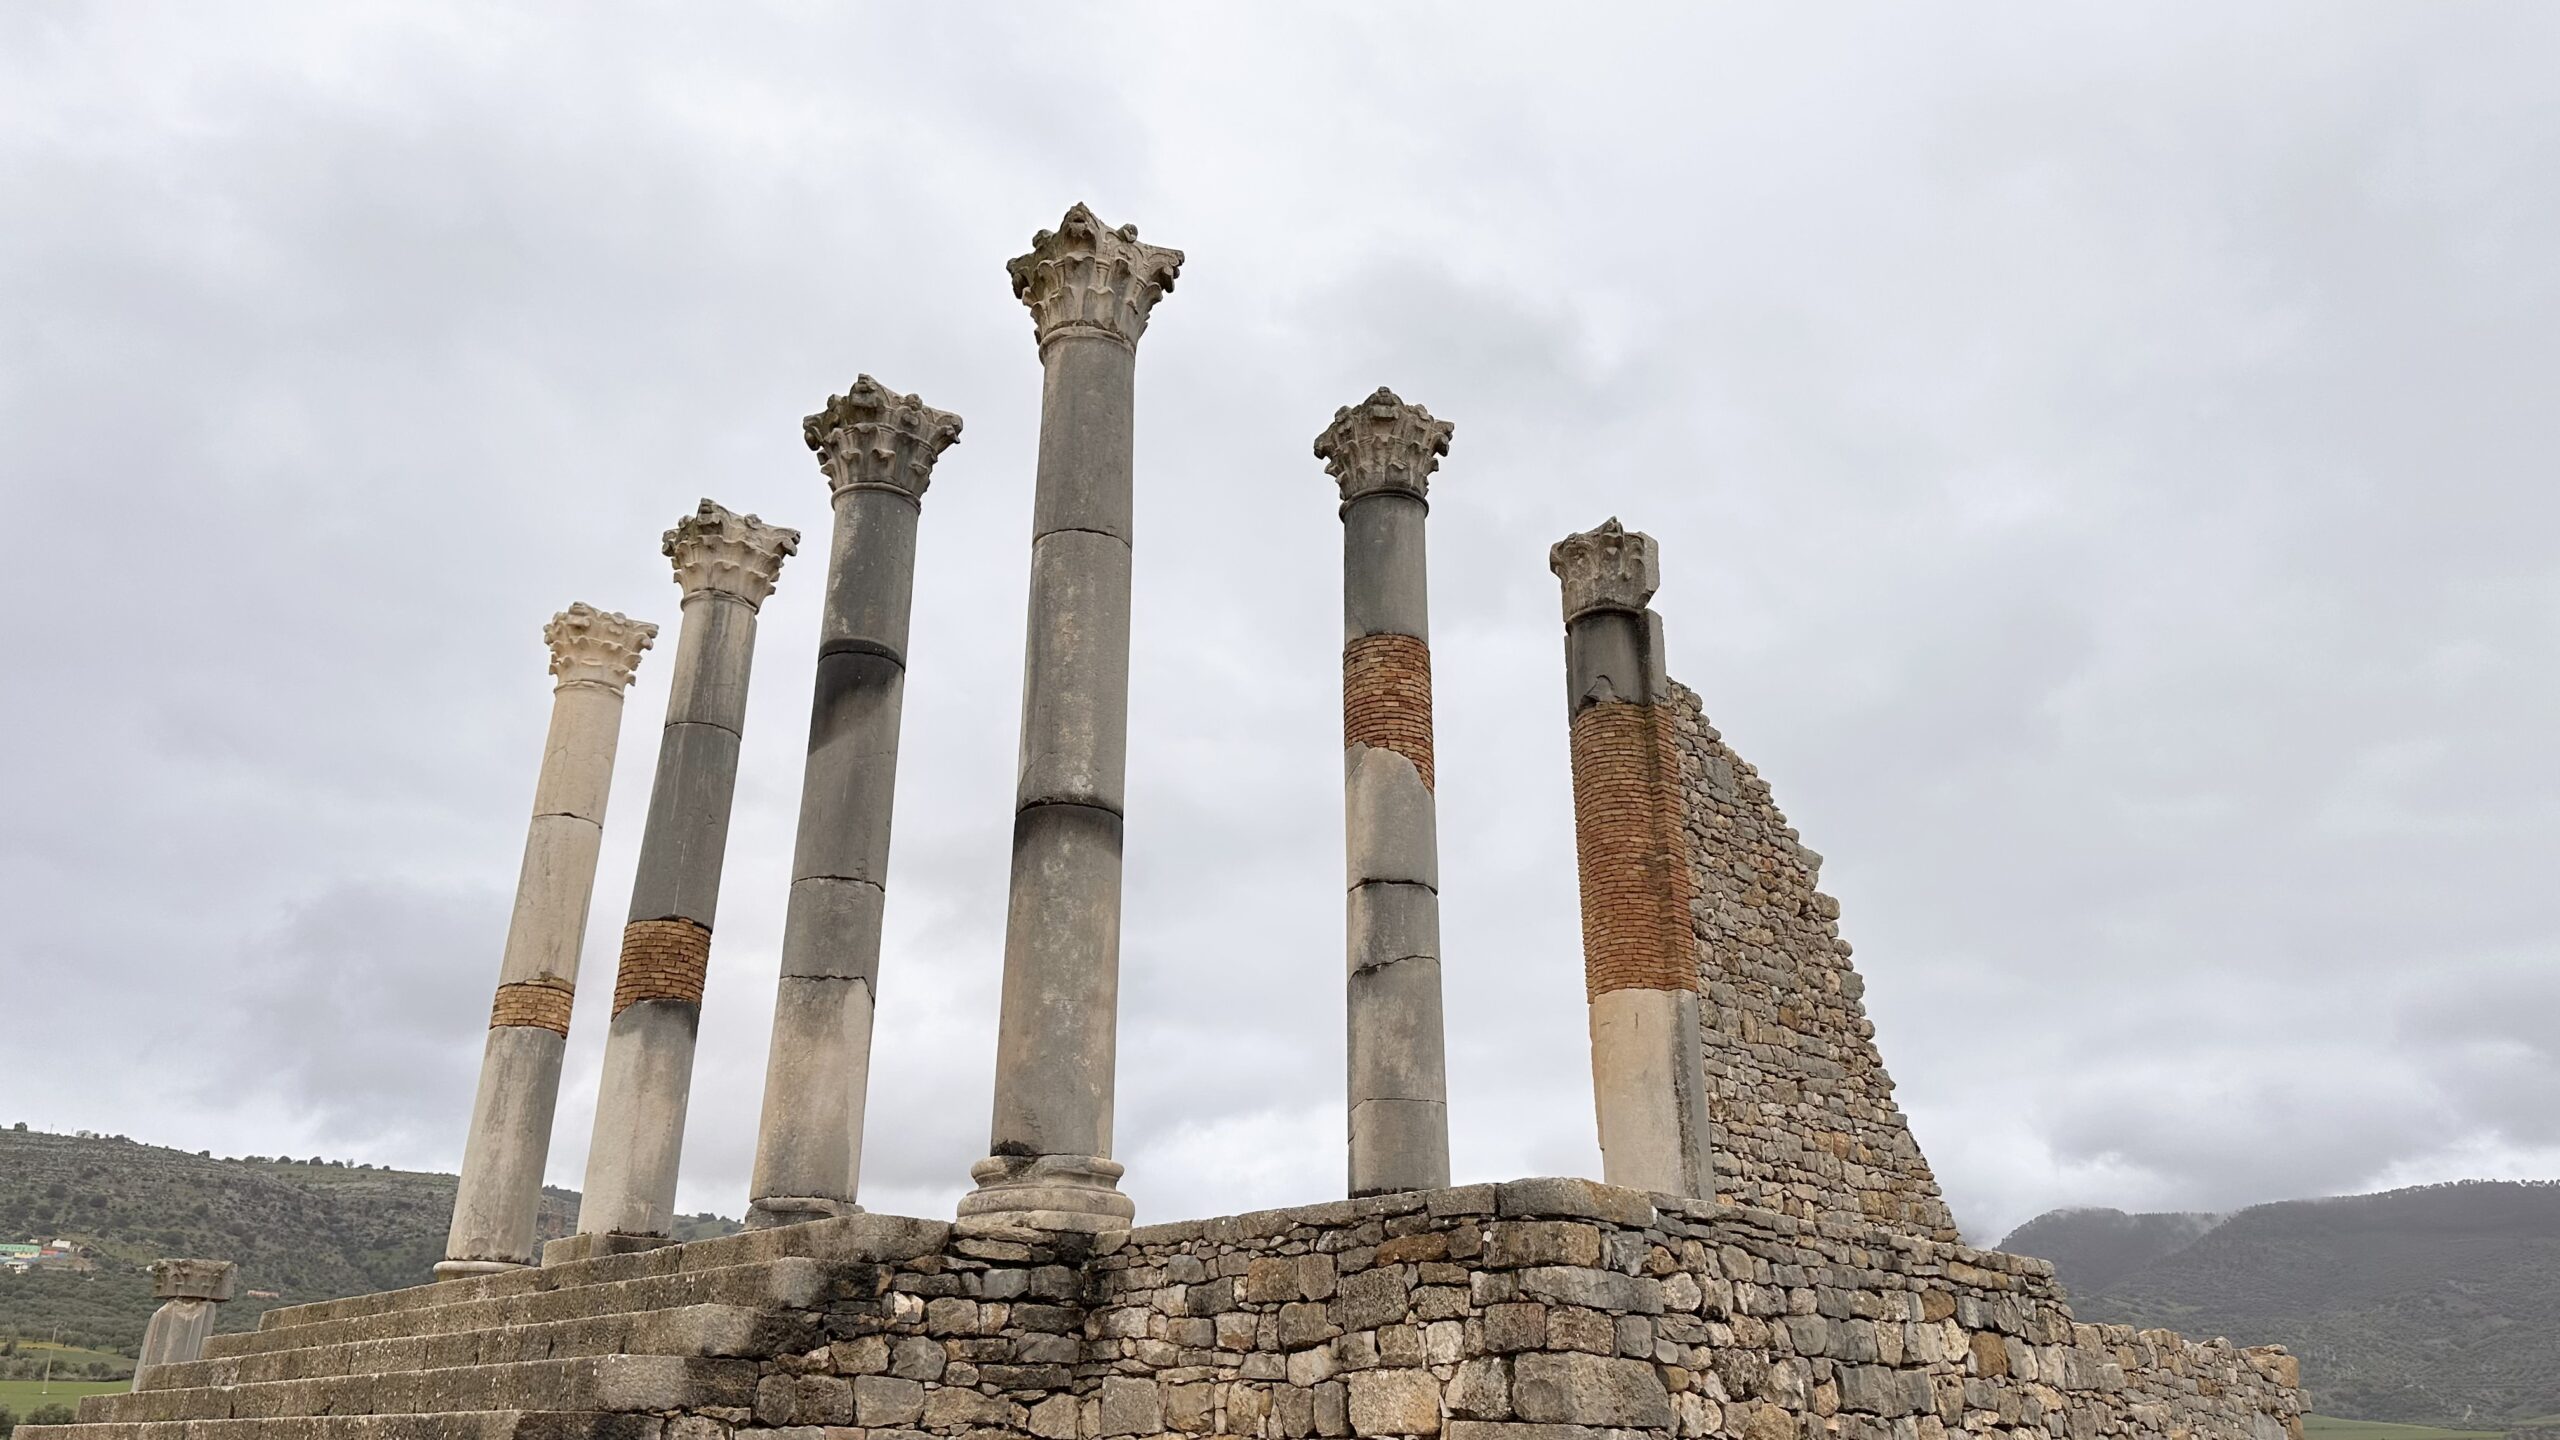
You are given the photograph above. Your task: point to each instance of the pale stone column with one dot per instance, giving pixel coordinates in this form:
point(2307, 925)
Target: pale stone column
point(1639, 946)
point(1090, 289)
point(727, 564)
point(190, 1292)
point(594, 653)
point(1382, 453)
point(877, 448)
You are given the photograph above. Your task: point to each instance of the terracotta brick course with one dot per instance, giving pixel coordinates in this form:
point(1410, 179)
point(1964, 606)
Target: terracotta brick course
point(543, 1003)
point(1386, 697)
point(661, 960)
point(1636, 887)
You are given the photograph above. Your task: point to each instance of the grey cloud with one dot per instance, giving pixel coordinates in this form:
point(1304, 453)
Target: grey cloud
point(2099, 460)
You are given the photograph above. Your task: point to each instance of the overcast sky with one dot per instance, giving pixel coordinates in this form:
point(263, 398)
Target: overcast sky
point(2103, 460)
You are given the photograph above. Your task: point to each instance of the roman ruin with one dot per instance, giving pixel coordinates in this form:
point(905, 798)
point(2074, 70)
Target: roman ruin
point(1766, 1256)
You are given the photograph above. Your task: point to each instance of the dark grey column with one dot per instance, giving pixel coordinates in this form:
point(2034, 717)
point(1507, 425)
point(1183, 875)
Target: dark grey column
point(594, 653)
point(877, 448)
point(1382, 452)
point(1090, 289)
point(1630, 812)
point(727, 564)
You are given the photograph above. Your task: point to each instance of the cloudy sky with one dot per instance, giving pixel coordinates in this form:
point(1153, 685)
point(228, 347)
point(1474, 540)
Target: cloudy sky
point(2103, 462)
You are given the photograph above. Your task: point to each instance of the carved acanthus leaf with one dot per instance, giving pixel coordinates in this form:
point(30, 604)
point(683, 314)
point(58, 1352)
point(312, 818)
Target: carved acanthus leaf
point(716, 548)
point(1610, 568)
point(1086, 277)
point(874, 436)
point(596, 647)
point(1383, 444)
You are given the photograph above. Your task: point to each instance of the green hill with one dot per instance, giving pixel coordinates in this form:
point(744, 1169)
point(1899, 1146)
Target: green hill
point(304, 1230)
point(2437, 1305)
point(2092, 1249)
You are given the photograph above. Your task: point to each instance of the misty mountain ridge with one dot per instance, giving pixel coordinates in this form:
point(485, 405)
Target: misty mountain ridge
point(2438, 1304)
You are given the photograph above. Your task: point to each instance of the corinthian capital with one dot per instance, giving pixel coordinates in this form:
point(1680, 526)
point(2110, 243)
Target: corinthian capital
point(717, 549)
point(596, 647)
point(1383, 444)
point(1085, 277)
point(872, 437)
point(1611, 568)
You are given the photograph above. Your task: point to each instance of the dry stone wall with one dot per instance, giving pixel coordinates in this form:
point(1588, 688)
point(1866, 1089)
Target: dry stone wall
point(1802, 1109)
point(1535, 1310)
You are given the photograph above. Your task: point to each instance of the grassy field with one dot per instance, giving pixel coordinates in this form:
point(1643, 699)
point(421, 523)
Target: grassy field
point(25, 1395)
point(2321, 1427)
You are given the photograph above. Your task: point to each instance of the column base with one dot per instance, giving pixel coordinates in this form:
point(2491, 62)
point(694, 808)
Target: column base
point(588, 1247)
point(774, 1211)
point(1077, 1194)
point(465, 1269)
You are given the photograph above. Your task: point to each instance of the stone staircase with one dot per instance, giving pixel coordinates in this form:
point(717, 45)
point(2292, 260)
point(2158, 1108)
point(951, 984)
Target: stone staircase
point(595, 1349)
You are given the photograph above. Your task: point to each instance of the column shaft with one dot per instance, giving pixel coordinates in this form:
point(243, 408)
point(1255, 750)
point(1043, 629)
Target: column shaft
point(879, 447)
point(1090, 289)
point(1640, 957)
point(500, 1193)
point(1383, 452)
point(727, 564)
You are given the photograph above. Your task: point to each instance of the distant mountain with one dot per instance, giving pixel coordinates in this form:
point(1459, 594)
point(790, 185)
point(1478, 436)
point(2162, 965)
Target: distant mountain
point(305, 1231)
point(2093, 1248)
point(2438, 1305)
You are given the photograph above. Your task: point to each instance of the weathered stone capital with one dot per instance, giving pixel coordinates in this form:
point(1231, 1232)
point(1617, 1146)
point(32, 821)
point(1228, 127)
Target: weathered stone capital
point(1383, 444)
point(1611, 568)
point(597, 647)
point(192, 1279)
point(873, 437)
point(1086, 278)
point(717, 549)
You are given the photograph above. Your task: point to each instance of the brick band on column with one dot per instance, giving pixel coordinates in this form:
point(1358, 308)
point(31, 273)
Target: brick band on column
point(1386, 697)
point(661, 960)
point(1632, 851)
point(537, 1003)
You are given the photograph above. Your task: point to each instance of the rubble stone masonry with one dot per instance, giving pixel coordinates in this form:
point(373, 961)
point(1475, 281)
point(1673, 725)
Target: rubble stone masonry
point(1800, 1105)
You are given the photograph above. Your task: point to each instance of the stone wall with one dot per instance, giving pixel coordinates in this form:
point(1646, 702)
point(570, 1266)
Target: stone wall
point(1536, 1310)
point(1802, 1108)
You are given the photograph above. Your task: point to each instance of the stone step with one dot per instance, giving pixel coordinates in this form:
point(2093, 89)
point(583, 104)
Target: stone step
point(790, 1284)
point(851, 1237)
point(703, 1330)
point(588, 1383)
point(455, 1425)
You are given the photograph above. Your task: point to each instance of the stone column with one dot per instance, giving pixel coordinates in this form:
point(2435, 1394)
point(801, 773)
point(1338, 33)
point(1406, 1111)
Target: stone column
point(727, 564)
point(1382, 453)
point(1090, 289)
point(594, 653)
point(1639, 948)
point(190, 1292)
point(877, 448)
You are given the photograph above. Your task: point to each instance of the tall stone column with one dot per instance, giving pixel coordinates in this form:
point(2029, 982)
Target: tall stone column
point(727, 564)
point(1382, 453)
point(190, 1292)
point(594, 653)
point(877, 448)
point(1090, 289)
point(1639, 948)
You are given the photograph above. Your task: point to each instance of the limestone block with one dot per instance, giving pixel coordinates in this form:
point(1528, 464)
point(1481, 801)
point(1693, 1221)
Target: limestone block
point(1389, 819)
point(1574, 1389)
point(887, 1400)
point(1087, 447)
point(850, 780)
point(1515, 1244)
point(1385, 587)
point(1394, 1402)
point(1131, 1407)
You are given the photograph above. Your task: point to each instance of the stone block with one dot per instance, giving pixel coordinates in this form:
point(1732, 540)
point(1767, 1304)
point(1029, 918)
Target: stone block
point(1593, 1289)
point(1519, 1325)
point(1517, 1244)
point(1191, 1408)
point(1394, 1402)
point(1270, 1280)
point(1370, 1299)
point(1054, 1418)
point(1570, 1199)
point(889, 1400)
point(1131, 1407)
point(1573, 1389)
point(1481, 1390)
